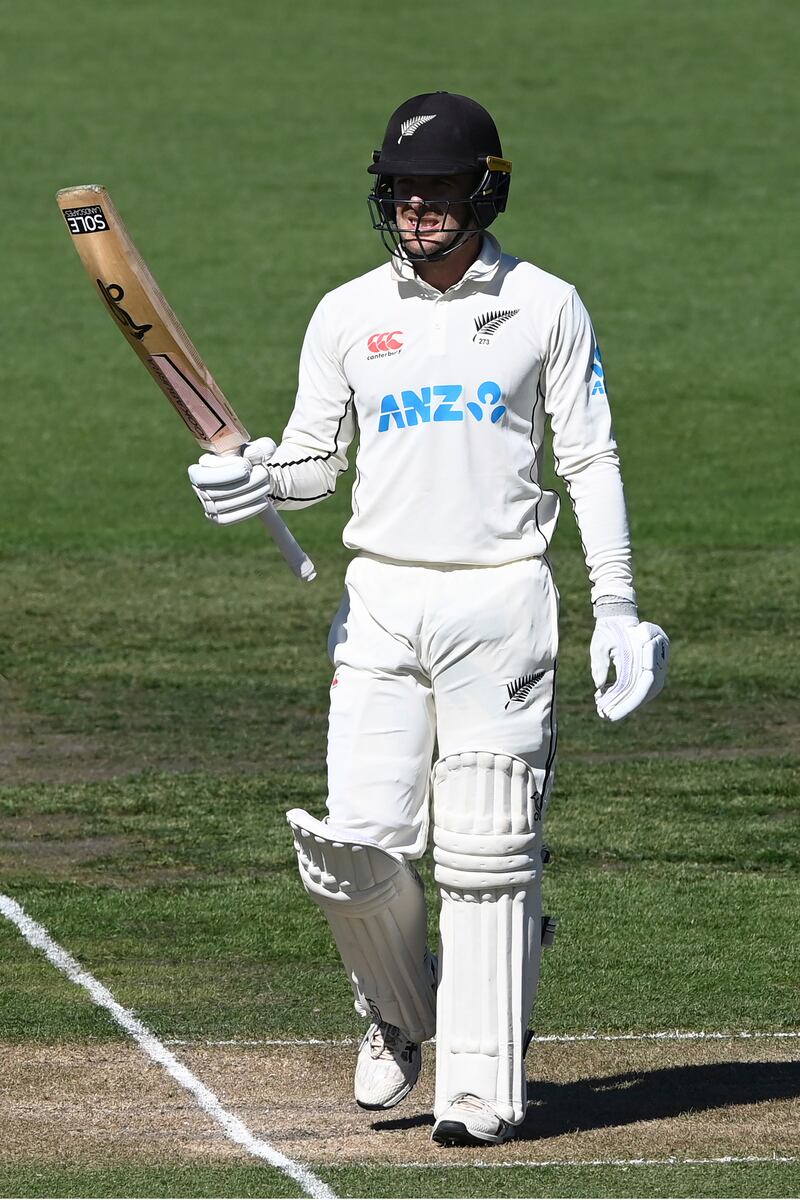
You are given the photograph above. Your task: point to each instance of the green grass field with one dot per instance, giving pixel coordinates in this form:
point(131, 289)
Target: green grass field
point(163, 684)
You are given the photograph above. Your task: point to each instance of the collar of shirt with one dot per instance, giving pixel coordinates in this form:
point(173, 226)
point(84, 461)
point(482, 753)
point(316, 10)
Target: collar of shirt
point(484, 267)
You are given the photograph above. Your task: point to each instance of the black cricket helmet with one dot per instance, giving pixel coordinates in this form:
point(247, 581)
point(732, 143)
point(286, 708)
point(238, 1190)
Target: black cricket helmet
point(440, 133)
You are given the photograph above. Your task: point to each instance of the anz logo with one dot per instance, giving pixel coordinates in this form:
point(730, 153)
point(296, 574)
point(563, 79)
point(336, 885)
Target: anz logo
point(441, 402)
point(599, 387)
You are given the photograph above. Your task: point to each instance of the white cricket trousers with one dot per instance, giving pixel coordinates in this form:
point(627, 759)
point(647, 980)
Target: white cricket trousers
point(435, 659)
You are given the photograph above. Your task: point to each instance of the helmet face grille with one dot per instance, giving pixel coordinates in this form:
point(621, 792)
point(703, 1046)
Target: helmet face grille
point(484, 203)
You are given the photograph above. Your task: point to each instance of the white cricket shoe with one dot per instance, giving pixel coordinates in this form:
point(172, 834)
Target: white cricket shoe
point(470, 1121)
point(387, 1067)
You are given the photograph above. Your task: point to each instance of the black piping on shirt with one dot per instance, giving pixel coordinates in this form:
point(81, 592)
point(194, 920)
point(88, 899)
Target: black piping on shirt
point(318, 458)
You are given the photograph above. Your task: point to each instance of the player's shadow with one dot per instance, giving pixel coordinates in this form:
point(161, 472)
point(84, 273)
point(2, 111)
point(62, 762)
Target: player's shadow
point(611, 1100)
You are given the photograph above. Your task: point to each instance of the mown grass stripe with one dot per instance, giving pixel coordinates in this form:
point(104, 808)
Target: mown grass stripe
point(234, 1129)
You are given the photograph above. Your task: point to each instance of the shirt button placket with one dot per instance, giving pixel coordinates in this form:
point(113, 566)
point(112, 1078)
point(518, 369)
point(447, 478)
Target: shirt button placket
point(437, 339)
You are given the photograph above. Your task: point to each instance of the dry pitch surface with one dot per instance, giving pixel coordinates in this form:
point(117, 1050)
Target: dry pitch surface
point(590, 1101)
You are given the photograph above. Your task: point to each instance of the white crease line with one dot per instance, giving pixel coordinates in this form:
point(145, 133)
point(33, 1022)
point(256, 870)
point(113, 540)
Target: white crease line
point(38, 937)
point(263, 1041)
point(669, 1035)
point(726, 1160)
point(675, 1035)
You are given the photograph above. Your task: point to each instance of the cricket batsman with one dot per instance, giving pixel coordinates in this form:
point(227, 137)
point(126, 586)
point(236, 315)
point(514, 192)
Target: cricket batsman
point(448, 361)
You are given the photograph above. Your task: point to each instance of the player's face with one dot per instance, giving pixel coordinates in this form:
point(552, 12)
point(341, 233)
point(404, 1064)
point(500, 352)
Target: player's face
point(426, 214)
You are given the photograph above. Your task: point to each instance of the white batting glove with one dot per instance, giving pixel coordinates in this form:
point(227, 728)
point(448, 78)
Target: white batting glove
point(233, 487)
point(639, 653)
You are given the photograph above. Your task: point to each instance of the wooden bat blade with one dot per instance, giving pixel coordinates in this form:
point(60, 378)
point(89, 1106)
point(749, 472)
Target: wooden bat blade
point(142, 314)
point(152, 330)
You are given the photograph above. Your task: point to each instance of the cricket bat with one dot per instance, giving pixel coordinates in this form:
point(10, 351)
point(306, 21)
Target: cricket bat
point(150, 327)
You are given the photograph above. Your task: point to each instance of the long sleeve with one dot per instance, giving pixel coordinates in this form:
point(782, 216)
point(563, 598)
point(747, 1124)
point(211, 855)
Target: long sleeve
point(313, 451)
point(585, 451)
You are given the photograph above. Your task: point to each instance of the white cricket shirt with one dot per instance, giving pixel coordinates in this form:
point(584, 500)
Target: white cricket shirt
point(449, 394)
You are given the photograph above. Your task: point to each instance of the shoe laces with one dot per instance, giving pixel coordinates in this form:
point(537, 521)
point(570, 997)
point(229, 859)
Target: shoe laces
point(473, 1103)
point(385, 1040)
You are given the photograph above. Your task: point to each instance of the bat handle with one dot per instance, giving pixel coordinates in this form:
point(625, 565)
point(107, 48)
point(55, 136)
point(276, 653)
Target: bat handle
point(289, 547)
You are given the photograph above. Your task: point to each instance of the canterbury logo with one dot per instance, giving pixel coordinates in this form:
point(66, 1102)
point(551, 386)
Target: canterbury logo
point(380, 342)
point(519, 689)
point(488, 324)
point(410, 127)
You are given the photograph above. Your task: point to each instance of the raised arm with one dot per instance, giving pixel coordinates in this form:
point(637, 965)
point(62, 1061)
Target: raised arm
point(312, 454)
point(313, 450)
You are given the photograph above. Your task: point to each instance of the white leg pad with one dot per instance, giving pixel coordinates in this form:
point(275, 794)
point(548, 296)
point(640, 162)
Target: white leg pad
point(488, 856)
point(375, 907)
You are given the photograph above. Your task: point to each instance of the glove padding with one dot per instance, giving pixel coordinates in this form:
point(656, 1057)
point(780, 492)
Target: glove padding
point(233, 487)
point(639, 652)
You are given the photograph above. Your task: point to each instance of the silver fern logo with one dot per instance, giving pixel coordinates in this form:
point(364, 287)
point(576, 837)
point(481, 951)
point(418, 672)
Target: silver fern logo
point(519, 689)
point(410, 127)
point(490, 322)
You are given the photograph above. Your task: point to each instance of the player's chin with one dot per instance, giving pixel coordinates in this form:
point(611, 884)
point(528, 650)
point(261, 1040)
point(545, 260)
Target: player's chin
point(422, 245)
